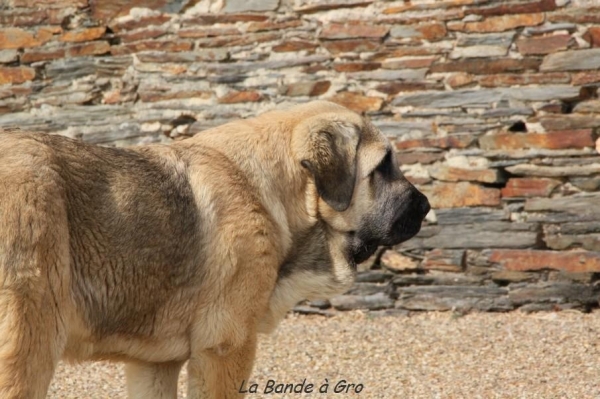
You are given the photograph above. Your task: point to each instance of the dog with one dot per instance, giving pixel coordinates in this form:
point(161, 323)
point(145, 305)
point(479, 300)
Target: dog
point(160, 254)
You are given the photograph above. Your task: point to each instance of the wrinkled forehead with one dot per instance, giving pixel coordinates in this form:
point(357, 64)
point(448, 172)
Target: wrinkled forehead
point(372, 148)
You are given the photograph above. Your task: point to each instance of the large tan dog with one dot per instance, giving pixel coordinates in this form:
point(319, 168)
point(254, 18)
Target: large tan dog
point(158, 254)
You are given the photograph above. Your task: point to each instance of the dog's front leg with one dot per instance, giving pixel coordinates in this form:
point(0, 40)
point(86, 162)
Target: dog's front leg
point(152, 380)
point(218, 373)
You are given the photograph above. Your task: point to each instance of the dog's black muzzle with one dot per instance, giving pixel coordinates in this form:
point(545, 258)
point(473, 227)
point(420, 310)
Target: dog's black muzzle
point(398, 219)
point(408, 221)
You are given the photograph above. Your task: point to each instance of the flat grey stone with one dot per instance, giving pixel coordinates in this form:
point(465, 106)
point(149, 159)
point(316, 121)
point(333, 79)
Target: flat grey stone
point(250, 5)
point(243, 67)
point(403, 128)
point(404, 31)
point(458, 298)
point(22, 120)
point(472, 18)
point(590, 242)
point(544, 93)
point(174, 6)
point(114, 66)
point(440, 304)
point(10, 105)
point(449, 99)
point(469, 215)
point(549, 27)
point(401, 74)
point(213, 54)
point(484, 235)
point(523, 156)
point(427, 113)
point(320, 303)
point(309, 6)
point(455, 291)
point(8, 56)
point(71, 68)
point(570, 121)
point(68, 96)
point(439, 278)
point(507, 112)
point(555, 293)
point(85, 117)
point(482, 239)
point(586, 184)
point(157, 83)
point(561, 276)
point(511, 276)
point(574, 228)
point(459, 119)
point(373, 276)
point(573, 60)
point(372, 302)
point(581, 204)
point(429, 231)
point(554, 171)
point(226, 79)
point(493, 39)
point(478, 52)
point(559, 217)
point(578, 161)
point(369, 289)
point(122, 131)
point(588, 107)
point(469, 97)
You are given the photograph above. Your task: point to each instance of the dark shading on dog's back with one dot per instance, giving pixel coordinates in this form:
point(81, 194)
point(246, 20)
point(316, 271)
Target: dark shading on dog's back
point(139, 218)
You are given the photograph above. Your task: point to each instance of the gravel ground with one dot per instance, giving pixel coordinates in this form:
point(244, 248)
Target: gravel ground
point(429, 355)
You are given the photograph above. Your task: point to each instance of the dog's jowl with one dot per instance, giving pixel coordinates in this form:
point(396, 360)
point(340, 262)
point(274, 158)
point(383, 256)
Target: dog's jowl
point(161, 254)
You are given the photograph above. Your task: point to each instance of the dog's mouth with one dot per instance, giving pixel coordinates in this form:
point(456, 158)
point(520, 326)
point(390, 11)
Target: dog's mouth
point(404, 234)
point(361, 249)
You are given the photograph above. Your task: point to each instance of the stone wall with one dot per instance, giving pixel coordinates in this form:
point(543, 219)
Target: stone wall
point(492, 106)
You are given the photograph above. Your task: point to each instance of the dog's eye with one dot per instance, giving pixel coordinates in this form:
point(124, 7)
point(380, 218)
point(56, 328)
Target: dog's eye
point(386, 164)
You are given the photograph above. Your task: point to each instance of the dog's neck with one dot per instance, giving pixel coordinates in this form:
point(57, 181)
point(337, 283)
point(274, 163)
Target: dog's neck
point(282, 184)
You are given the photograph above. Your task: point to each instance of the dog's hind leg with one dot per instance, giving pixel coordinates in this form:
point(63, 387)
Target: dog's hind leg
point(152, 380)
point(30, 346)
point(34, 290)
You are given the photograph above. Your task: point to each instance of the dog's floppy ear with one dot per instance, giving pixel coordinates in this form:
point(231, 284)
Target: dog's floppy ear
point(331, 159)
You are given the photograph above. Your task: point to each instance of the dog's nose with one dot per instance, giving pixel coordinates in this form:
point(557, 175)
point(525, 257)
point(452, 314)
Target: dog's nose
point(425, 207)
point(421, 203)
point(411, 213)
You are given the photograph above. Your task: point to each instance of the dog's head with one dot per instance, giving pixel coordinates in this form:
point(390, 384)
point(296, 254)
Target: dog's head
point(360, 190)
